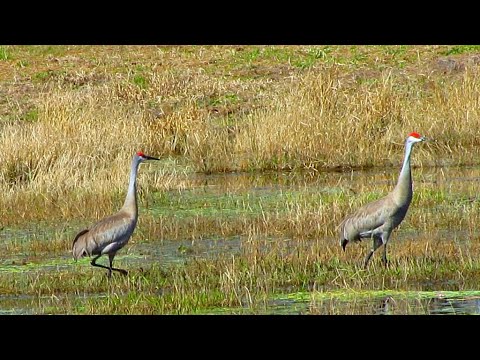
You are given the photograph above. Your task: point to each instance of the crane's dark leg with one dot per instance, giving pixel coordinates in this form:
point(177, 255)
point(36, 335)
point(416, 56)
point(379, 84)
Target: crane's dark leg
point(377, 242)
point(367, 259)
point(384, 256)
point(110, 257)
point(93, 263)
point(385, 237)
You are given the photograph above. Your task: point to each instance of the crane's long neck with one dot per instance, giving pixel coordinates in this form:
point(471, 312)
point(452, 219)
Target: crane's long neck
point(130, 203)
point(403, 190)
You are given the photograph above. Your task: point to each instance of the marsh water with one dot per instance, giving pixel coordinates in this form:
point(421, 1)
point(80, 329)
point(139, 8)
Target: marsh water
point(206, 197)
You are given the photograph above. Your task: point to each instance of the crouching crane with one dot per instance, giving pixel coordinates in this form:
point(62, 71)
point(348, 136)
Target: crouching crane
point(377, 220)
point(113, 232)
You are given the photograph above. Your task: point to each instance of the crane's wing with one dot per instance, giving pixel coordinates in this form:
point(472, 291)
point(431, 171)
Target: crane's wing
point(116, 228)
point(366, 219)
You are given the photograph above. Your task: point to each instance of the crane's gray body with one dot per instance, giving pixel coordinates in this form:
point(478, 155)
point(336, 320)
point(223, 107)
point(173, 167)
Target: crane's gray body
point(107, 236)
point(377, 220)
point(113, 232)
point(373, 219)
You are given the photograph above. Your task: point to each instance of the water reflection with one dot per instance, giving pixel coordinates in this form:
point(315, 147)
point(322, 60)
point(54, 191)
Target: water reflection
point(398, 305)
point(462, 306)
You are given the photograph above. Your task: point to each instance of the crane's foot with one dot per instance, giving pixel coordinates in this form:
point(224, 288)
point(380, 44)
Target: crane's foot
point(121, 271)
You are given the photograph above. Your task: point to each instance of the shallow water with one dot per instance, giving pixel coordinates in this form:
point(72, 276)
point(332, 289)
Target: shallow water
point(462, 183)
point(407, 303)
point(400, 303)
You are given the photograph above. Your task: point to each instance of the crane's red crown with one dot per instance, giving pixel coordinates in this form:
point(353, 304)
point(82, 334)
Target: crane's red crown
point(139, 153)
point(415, 135)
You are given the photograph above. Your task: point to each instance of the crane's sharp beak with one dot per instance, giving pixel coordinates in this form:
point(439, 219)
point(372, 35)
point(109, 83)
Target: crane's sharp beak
point(150, 158)
point(423, 138)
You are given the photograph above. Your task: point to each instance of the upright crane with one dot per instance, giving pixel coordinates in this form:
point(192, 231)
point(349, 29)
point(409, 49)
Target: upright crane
point(379, 218)
point(113, 232)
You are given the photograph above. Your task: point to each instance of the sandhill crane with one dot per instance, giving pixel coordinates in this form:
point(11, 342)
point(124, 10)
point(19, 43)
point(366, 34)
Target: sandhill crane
point(379, 218)
point(113, 232)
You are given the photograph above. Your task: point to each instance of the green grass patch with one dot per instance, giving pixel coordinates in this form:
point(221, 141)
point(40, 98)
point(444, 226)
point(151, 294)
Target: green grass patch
point(141, 81)
point(42, 75)
point(23, 63)
point(45, 50)
point(284, 55)
point(4, 53)
point(32, 115)
point(349, 295)
point(460, 49)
